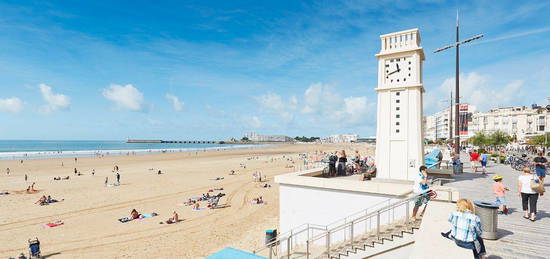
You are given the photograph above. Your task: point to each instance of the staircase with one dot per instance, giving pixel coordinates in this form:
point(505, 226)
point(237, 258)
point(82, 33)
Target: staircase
point(388, 235)
point(368, 232)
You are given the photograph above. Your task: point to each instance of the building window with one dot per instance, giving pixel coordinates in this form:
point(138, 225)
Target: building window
point(397, 101)
point(397, 123)
point(396, 131)
point(397, 108)
point(397, 93)
point(397, 116)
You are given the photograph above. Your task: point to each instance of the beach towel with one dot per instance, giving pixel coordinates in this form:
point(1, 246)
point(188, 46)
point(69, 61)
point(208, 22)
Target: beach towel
point(52, 225)
point(148, 215)
point(124, 220)
point(198, 209)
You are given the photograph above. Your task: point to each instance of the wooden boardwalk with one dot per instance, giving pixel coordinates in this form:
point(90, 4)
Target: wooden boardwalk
point(518, 237)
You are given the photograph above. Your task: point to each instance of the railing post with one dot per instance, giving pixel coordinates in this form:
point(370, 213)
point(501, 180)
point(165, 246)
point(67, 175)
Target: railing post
point(307, 248)
point(378, 224)
point(407, 212)
point(270, 252)
point(288, 247)
point(351, 235)
point(328, 244)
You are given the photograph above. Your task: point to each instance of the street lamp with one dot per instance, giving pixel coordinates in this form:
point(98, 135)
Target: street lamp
point(456, 45)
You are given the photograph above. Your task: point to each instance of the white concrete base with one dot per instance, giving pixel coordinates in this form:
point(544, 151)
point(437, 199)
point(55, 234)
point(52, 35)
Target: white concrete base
point(428, 241)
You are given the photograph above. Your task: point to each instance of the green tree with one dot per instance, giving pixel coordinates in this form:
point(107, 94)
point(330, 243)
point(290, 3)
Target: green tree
point(245, 139)
point(479, 139)
point(542, 140)
point(499, 138)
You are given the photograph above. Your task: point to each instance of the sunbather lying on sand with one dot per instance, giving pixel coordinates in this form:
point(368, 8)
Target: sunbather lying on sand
point(42, 200)
point(134, 214)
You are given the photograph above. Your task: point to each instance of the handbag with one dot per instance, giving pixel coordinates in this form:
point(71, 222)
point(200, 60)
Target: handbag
point(537, 186)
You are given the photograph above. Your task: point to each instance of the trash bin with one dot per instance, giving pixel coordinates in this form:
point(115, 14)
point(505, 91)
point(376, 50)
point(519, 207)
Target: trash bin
point(458, 168)
point(270, 235)
point(487, 213)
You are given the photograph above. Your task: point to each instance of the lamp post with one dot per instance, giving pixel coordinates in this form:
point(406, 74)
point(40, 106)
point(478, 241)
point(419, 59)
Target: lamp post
point(456, 45)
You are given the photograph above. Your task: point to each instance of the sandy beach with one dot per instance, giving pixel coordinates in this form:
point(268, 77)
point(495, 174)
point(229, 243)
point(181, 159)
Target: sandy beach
point(90, 210)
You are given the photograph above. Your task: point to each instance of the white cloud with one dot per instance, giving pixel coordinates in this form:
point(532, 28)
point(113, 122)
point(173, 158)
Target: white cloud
point(255, 122)
point(320, 103)
point(54, 101)
point(478, 90)
point(125, 97)
point(176, 103)
point(274, 103)
point(11, 105)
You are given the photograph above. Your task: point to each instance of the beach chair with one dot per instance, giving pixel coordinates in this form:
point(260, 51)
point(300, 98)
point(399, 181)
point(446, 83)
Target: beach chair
point(34, 248)
point(213, 203)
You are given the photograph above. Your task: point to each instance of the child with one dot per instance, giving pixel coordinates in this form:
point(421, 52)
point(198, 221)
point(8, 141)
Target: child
point(498, 190)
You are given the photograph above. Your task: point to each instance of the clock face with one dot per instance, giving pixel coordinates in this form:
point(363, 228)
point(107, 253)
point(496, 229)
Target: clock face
point(398, 70)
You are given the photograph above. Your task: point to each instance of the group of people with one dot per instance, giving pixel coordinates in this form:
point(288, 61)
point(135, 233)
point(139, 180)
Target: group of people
point(46, 200)
point(338, 165)
point(479, 158)
point(465, 225)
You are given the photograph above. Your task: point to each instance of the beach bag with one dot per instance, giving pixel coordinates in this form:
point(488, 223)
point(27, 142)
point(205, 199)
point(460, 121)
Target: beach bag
point(537, 186)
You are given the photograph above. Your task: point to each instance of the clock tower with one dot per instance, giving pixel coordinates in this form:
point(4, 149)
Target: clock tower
point(399, 140)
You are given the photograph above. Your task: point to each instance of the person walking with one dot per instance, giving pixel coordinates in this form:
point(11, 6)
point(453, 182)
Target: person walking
point(474, 157)
point(419, 188)
point(484, 157)
point(117, 178)
point(466, 228)
point(342, 163)
point(528, 196)
point(540, 166)
point(332, 159)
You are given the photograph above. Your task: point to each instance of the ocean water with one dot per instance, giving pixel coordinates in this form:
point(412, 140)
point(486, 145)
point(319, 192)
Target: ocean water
point(29, 149)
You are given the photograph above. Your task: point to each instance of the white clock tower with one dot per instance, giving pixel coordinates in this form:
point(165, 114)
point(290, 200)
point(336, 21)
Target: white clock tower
point(399, 140)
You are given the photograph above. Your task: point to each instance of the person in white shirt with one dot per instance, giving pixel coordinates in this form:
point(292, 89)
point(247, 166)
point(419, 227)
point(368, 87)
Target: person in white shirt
point(420, 186)
point(528, 196)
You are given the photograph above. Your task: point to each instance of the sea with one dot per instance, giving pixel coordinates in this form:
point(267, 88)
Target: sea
point(35, 149)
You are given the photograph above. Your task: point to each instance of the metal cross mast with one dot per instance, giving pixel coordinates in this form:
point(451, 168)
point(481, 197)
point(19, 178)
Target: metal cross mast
point(456, 45)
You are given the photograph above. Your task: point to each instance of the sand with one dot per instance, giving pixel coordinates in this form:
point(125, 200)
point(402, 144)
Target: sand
point(90, 210)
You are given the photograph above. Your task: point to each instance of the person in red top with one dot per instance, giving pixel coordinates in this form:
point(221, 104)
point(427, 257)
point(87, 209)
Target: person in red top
point(499, 189)
point(474, 157)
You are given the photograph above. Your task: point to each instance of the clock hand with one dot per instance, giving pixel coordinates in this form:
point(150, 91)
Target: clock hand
point(398, 67)
point(393, 72)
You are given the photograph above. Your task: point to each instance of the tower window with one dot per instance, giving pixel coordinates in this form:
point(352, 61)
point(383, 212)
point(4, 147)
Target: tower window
point(396, 131)
point(397, 93)
point(397, 123)
point(397, 108)
point(397, 116)
point(397, 101)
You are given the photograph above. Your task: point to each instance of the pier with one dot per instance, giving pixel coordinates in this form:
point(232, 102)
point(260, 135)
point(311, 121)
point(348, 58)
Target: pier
point(154, 141)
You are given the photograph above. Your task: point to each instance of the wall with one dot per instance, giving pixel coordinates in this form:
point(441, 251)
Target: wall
point(323, 206)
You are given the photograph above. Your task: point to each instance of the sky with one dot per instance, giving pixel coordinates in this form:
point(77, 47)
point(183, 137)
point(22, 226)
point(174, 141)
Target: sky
point(111, 70)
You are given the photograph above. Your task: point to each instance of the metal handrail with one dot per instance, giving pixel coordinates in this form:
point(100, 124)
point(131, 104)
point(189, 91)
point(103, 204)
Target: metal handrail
point(282, 237)
point(328, 231)
point(375, 213)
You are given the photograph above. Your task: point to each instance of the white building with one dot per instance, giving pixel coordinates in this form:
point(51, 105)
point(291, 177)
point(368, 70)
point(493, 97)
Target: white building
point(343, 138)
point(440, 124)
point(520, 122)
point(255, 137)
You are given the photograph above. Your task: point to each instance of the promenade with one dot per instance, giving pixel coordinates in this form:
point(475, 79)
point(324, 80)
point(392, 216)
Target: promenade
point(517, 237)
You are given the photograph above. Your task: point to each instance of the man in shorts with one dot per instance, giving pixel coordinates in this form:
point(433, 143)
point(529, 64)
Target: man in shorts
point(540, 166)
point(474, 157)
point(420, 188)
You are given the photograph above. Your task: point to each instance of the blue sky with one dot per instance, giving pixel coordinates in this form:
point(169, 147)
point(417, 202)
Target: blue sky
point(216, 69)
